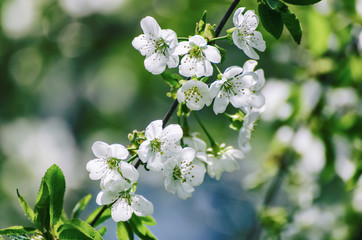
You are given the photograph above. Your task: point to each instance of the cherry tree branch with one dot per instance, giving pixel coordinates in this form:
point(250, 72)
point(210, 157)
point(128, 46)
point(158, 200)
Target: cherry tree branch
point(175, 103)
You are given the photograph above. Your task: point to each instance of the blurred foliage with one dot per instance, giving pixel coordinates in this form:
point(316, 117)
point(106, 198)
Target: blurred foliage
point(75, 64)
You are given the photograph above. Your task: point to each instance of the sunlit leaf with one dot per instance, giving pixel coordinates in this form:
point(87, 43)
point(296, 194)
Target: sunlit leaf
point(25, 206)
point(81, 205)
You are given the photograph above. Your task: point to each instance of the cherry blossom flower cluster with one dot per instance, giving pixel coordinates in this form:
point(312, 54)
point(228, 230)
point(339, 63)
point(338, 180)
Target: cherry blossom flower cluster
point(182, 158)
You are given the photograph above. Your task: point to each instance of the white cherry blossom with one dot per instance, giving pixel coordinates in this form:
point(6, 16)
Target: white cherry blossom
point(224, 161)
point(245, 132)
point(198, 57)
point(109, 165)
point(244, 36)
point(125, 202)
point(183, 173)
point(157, 45)
point(160, 144)
point(199, 145)
point(195, 94)
point(239, 86)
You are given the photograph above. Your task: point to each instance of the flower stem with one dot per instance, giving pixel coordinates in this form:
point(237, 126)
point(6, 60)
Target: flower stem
point(182, 38)
point(99, 214)
point(218, 38)
point(212, 141)
point(217, 68)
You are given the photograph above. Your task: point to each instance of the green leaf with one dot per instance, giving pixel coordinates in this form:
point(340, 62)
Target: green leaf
point(139, 229)
point(41, 209)
point(18, 237)
point(81, 205)
point(17, 230)
point(271, 20)
point(319, 31)
point(277, 5)
point(301, 2)
point(78, 229)
point(25, 206)
point(102, 230)
point(293, 25)
point(148, 220)
point(124, 231)
point(105, 215)
point(55, 181)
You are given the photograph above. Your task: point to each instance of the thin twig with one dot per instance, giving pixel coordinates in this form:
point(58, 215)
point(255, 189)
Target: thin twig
point(98, 215)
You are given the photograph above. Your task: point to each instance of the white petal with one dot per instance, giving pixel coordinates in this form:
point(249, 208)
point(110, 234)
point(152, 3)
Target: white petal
point(240, 100)
point(153, 130)
point(238, 16)
point(249, 66)
point(260, 80)
point(106, 197)
point(203, 68)
point(182, 48)
point(171, 133)
point(196, 174)
point(250, 21)
point(215, 88)
point(249, 51)
point(145, 151)
point(155, 163)
point(119, 151)
point(170, 149)
point(141, 206)
point(256, 41)
point(150, 27)
point(184, 190)
point(144, 44)
point(257, 100)
point(220, 103)
point(186, 155)
point(212, 54)
point(173, 61)
point(121, 210)
point(101, 149)
point(97, 168)
point(232, 71)
point(116, 184)
point(170, 185)
point(129, 171)
point(197, 40)
point(169, 37)
point(180, 96)
point(187, 67)
point(156, 63)
point(196, 143)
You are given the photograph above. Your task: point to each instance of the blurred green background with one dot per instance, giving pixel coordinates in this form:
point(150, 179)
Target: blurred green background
point(69, 76)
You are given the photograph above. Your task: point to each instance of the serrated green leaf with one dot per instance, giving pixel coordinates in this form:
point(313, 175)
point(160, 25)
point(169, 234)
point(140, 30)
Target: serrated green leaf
point(55, 181)
point(102, 230)
point(78, 227)
point(41, 209)
point(81, 205)
point(271, 20)
point(105, 215)
point(25, 206)
point(293, 25)
point(17, 230)
point(140, 229)
point(124, 231)
point(302, 2)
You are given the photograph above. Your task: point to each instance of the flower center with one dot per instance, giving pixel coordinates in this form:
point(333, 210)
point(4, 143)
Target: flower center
point(161, 46)
point(113, 162)
point(193, 92)
point(156, 145)
point(177, 173)
point(196, 52)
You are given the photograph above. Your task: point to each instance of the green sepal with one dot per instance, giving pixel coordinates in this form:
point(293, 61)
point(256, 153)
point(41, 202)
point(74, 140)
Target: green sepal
point(271, 19)
point(17, 230)
point(102, 230)
point(78, 229)
point(105, 216)
point(173, 81)
point(80, 206)
point(25, 206)
point(124, 231)
point(293, 25)
point(302, 2)
point(140, 229)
